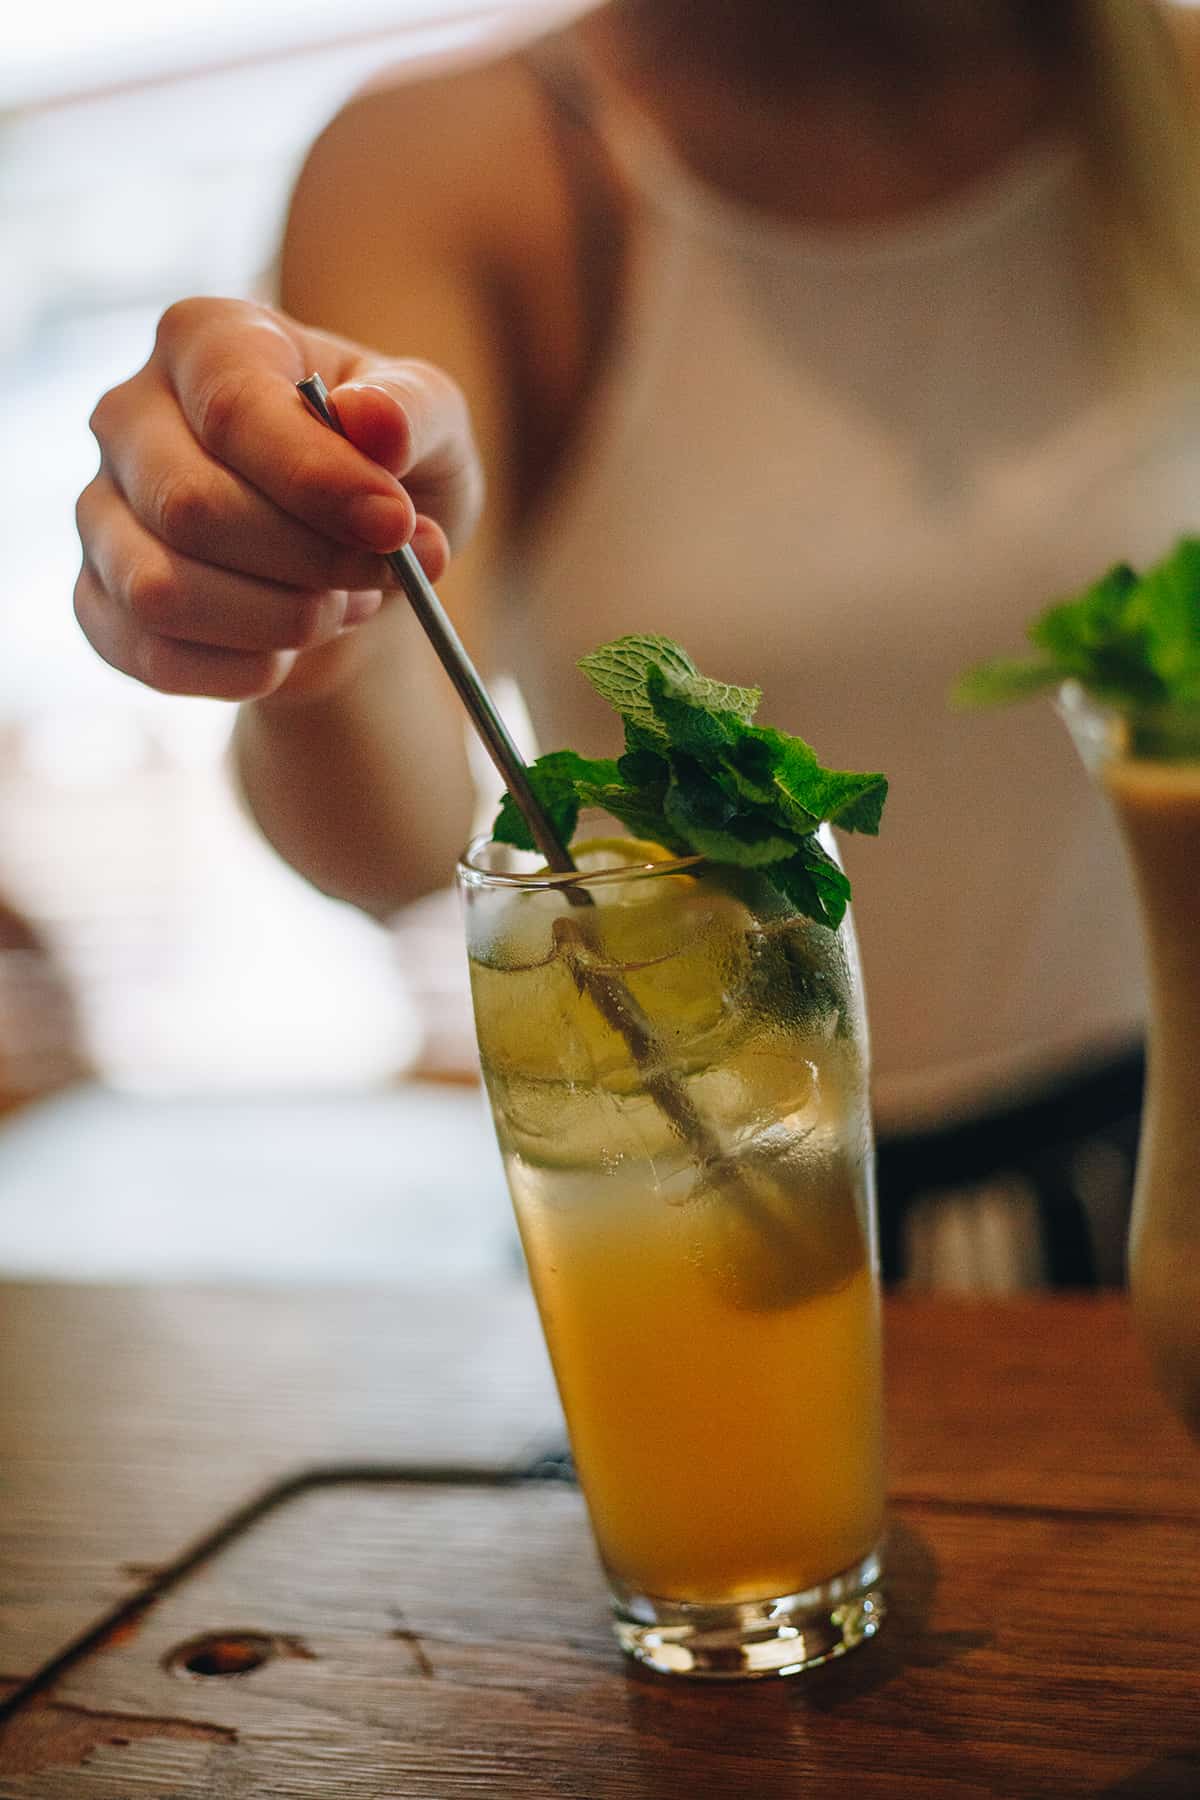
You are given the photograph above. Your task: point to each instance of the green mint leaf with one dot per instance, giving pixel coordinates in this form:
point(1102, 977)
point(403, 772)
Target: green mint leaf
point(750, 767)
point(1100, 639)
point(620, 673)
point(555, 780)
point(643, 768)
point(693, 800)
point(1169, 601)
point(803, 792)
point(1129, 639)
point(996, 683)
point(699, 777)
point(747, 840)
point(814, 884)
point(692, 729)
point(637, 798)
point(637, 739)
point(638, 674)
point(1073, 629)
point(706, 695)
point(642, 815)
point(855, 802)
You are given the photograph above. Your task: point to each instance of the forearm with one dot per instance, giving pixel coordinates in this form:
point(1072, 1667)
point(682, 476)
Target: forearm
point(363, 789)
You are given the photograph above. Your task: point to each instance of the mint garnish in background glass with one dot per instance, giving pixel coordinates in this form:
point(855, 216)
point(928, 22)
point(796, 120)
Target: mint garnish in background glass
point(1126, 656)
point(700, 778)
point(1132, 641)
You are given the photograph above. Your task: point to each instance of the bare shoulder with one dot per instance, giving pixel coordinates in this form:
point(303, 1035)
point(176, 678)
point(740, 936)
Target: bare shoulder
point(455, 169)
point(435, 217)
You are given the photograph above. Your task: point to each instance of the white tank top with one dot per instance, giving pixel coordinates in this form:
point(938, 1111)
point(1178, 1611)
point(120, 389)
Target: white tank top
point(845, 466)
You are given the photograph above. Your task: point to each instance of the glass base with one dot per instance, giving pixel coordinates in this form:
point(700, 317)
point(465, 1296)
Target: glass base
point(752, 1638)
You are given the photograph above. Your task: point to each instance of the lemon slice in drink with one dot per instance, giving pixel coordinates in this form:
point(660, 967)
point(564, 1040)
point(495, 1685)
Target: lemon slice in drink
point(533, 1020)
point(595, 855)
point(677, 945)
point(767, 1235)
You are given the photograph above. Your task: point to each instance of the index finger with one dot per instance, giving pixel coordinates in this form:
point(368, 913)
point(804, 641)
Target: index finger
point(236, 386)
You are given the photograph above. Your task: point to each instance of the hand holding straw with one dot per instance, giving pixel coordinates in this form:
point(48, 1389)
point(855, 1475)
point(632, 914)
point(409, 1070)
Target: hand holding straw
point(454, 659)
point(610, 994)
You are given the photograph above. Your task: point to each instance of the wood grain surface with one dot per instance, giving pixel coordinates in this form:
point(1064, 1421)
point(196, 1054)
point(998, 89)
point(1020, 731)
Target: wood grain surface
point(1031, 1402)
point(132, 1418)
point(435, 1643)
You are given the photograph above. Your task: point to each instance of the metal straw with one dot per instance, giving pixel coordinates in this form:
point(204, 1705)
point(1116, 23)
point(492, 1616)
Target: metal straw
point(438, 628)
point(617, 1004)
point(608, 992)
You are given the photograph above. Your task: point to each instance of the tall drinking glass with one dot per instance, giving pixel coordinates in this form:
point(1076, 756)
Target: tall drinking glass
point(1148, 763)
point(713, 1320)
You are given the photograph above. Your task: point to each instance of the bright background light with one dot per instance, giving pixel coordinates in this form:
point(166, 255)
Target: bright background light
point(200, 961)
point(64, 48)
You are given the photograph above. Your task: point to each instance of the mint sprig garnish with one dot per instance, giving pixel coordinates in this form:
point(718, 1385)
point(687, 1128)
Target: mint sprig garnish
point(1131, 640)
point(699, 777)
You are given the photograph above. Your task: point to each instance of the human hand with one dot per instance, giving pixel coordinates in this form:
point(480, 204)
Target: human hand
point(231, 542)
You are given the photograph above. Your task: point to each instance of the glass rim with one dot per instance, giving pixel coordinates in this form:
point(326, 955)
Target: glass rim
point(473, 874)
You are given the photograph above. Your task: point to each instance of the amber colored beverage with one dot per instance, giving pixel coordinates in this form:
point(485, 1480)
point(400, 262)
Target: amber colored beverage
point(713, 1323)
point(1158, 804)
point(1148, 762)
point(741, 1457)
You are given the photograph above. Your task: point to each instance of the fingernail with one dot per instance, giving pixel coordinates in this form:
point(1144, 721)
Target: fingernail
point(361, 606)
point(367, 387)
point(380, 523)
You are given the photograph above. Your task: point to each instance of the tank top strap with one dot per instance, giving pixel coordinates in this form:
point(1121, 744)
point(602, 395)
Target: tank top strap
point(591, 103)
point(596, 188)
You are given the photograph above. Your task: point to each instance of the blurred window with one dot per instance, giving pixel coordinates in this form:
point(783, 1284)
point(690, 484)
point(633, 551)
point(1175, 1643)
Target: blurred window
point(146, 154)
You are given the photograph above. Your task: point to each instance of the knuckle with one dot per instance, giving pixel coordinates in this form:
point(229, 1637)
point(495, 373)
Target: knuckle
point(150, 595)
point(173, 320)
point(83, 600)
point(219, 405)
point(181, 319)
point(104, 416)
point(93, 616)
point(181, 513)
point(156, 664)
point(84, 508)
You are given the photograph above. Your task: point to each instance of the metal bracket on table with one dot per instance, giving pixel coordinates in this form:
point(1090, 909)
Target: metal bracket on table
point(548, 1465)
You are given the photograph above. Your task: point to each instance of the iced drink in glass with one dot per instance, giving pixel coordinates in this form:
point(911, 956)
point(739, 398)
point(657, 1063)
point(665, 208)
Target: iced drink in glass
point(1148, 763)
point(712, 1318)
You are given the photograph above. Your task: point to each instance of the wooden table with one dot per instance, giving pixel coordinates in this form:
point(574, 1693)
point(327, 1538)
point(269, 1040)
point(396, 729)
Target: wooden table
point(429, 1642)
